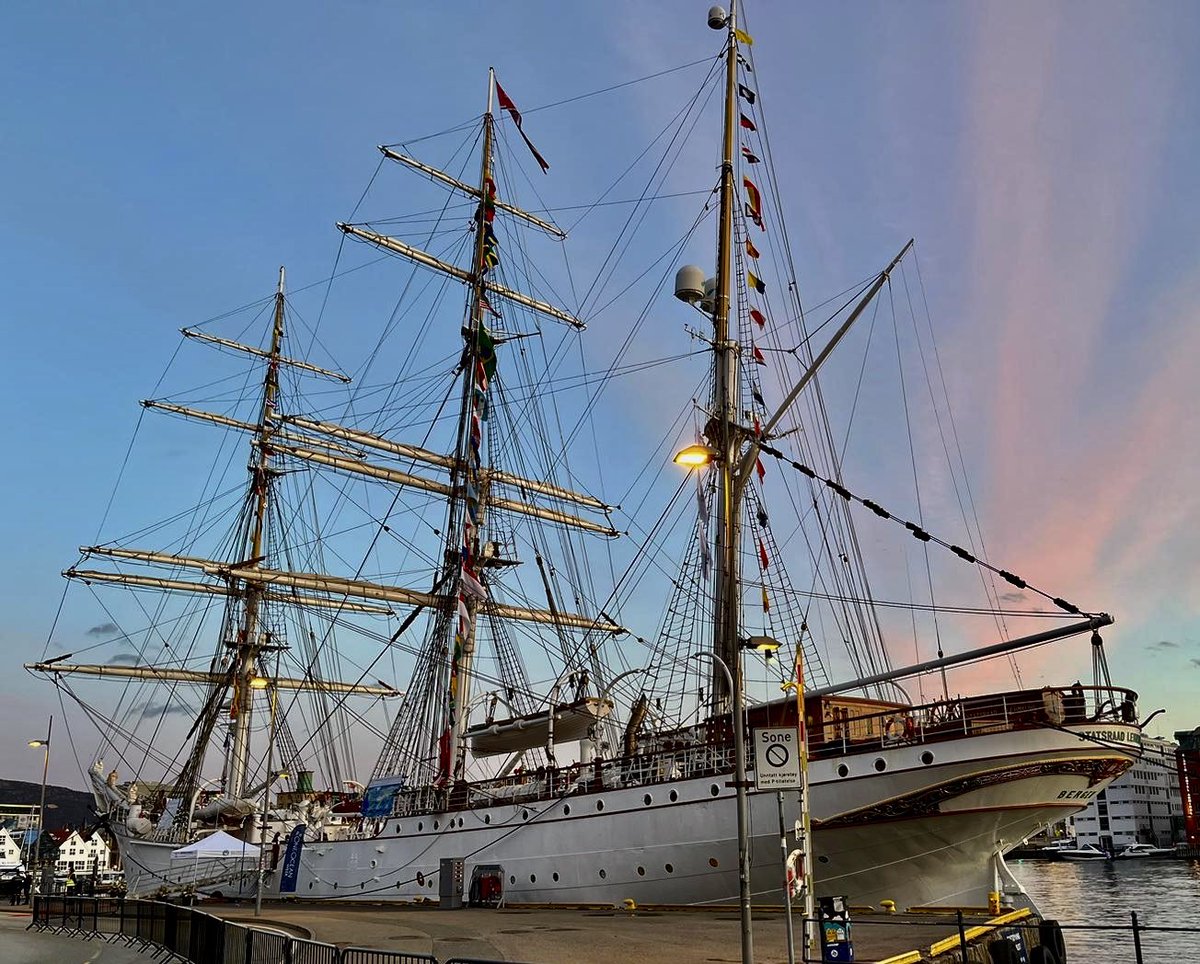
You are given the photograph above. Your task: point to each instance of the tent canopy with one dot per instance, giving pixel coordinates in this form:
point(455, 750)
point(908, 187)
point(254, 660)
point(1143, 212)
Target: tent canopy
point(219, 844)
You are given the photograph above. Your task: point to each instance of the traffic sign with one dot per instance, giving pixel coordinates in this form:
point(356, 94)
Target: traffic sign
point(776, 758)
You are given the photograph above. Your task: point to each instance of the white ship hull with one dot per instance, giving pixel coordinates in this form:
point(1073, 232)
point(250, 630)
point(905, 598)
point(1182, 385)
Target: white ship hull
point(925, 830)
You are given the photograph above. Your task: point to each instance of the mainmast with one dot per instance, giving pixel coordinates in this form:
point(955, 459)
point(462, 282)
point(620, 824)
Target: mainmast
point(473, 480)
point(247, 645)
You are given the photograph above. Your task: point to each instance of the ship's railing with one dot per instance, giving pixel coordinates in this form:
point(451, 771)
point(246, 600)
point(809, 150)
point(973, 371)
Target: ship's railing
point(842, 732)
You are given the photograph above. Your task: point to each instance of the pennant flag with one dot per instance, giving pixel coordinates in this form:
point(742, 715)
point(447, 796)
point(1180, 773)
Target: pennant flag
point(491, 248)
point(753, 202)
point(471, 586)
point(766, 600)
point(757, 395)
point(747, 123)
point(487, 351)
point(762, 556)
point(756, 283)
point(487, 305)
point(751, 250)
point(758, 318)
point(507, 104)
point(702, 529)
point(760, 469)
point(749, 155)
point(758, 356)
point(746, 92)
point(489, 200)
point(743, 37)
point(745, 63)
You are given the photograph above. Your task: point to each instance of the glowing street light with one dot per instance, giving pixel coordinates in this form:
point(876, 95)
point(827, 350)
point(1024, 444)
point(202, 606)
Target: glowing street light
point(696, 456)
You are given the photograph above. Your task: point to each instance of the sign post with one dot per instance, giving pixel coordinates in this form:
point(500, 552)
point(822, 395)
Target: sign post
point(777, 767)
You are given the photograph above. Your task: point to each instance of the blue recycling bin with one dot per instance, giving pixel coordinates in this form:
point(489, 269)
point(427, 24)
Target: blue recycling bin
point(834, 916)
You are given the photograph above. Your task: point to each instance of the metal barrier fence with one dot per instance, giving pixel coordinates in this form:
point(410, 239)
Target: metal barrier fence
point(191, 935)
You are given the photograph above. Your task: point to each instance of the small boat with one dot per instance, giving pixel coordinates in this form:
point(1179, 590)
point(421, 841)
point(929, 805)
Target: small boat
point(1141, 851)
point(1086, 852)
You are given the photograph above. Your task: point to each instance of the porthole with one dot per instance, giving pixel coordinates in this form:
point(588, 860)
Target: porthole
point(641, 871)
point(880, 764)
point(670, 868)
point(362, 884)
point(554, 876)
point(674, 795)
point(823, 859)
point(713, 862)
point(429, 882)
point(310, 883)
point(397, 885)
point(533, 878)
point(435, 825)
point(374, 863)
point(647, 799)
point(487, 818)
point(524, 814)
point(603, 873)
point(420, 826)
point(714, 790)
point(599, 804)
point(460, 821)
point(397, 828)
point(927, 757)
point(566, 810)
point(512, 880)
point(843, 770)
point(335, 885)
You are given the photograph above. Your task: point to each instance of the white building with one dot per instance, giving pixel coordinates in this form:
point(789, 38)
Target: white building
point(1138, 807)
point(10, 850)
point(81, 855)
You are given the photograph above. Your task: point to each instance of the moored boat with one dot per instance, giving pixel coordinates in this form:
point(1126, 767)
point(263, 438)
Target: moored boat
point(591, 780)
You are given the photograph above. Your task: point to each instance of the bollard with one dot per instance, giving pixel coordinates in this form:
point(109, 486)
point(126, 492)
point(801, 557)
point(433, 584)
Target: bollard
point(962, 936)
point(1137, 938)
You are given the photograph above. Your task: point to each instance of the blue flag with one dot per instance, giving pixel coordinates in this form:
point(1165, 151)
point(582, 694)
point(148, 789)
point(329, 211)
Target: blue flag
point(291, 860)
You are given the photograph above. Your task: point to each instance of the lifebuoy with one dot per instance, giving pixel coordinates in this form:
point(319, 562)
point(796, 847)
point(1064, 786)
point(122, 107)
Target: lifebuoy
point(1050, 935)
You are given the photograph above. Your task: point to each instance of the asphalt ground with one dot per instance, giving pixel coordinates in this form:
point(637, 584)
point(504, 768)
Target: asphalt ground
point(19, 946)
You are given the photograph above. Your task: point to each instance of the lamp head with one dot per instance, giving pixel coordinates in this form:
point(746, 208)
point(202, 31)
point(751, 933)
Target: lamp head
point(259, 683)
point(39, 743)
point(695, 456)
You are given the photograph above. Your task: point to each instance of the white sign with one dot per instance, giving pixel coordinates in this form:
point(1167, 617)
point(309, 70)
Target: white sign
point(776, 758)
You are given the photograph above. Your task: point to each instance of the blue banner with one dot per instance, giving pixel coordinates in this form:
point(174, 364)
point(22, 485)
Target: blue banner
point(291, 860)
point(380, 796)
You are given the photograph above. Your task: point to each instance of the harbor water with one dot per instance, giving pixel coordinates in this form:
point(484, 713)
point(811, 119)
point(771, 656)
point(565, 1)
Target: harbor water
point(1165, 893)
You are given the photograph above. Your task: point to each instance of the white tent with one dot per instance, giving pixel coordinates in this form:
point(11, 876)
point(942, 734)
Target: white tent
point(216, 845)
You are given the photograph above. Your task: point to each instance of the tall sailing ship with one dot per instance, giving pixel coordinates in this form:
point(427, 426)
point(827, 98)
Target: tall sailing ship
point(544, 743)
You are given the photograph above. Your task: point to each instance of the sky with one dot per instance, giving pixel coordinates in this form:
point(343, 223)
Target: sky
point(161, 161)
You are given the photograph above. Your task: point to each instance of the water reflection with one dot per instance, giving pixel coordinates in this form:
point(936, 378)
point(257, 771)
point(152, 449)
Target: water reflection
point(1163, 892)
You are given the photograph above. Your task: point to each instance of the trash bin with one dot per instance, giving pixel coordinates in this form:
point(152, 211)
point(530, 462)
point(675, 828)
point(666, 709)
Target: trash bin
point(834, 915)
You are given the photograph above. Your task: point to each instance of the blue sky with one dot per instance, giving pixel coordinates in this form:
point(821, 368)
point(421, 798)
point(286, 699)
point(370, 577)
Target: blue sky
point(160, 161)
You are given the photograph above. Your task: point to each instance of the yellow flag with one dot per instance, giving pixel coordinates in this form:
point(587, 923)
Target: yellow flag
point(743, 37)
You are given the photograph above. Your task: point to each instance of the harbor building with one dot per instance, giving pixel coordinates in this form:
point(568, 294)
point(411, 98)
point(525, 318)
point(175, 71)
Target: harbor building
point(1187, 761)
point(1143, 806)
point(83, 852)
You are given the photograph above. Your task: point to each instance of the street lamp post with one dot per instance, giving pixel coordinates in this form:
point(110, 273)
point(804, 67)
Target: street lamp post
point(45, 772)
point(734, 678)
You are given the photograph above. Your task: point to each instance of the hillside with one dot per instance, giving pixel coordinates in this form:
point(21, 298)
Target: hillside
point(64, 807)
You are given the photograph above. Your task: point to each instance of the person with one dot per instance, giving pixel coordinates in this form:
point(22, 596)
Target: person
point(26, 887)
point(70, 885)
point(14, 890)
